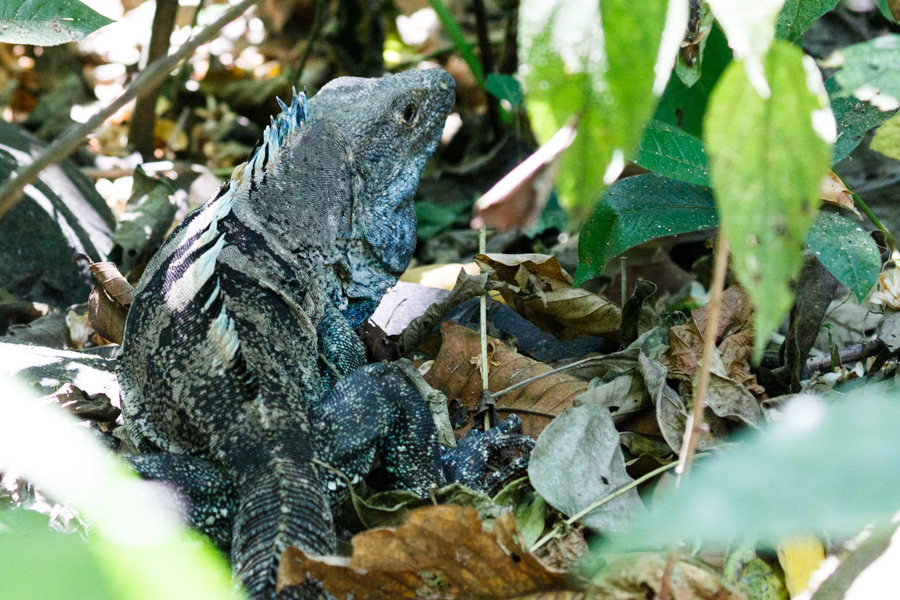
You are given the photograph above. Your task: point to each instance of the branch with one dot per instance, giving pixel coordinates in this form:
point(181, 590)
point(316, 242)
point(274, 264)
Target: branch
point(143, 120)
point(152, 76)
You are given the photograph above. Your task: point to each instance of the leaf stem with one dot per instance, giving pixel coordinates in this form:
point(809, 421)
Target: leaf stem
point(888, 237)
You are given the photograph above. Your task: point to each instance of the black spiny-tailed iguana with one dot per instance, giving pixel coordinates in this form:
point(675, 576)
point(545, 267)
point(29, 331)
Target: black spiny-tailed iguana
point(240, 360)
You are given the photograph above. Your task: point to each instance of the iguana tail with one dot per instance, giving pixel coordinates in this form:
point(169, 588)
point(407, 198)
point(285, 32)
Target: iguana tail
point(280, 505)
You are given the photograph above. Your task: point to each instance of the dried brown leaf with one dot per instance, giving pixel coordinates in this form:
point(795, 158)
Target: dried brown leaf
point(640, 576)
point(74, 400)
point(540, 290)
point(456, 372)
point(440, 552)
point(833, 191)
point(107, 316)
point(732, 378)
point(516, 201)
point(109, 278)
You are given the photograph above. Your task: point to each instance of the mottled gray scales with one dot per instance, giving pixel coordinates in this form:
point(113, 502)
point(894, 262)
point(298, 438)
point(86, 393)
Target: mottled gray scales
point(240, 367)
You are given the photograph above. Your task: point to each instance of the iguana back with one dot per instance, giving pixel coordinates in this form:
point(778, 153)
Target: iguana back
point(245, 318)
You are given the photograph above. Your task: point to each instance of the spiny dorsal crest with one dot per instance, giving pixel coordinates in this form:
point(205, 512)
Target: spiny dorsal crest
point(276, 132)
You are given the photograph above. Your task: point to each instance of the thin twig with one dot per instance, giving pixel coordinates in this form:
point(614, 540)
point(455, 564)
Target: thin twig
point(709, 346)
point(313, 35)
point(609, 497)
point(152, 76)
point(482, 248)
point(487, 62)
point(143, 121)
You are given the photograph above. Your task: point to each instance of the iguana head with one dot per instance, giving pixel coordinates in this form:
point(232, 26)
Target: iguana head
point(391, 126)
point(333, 182)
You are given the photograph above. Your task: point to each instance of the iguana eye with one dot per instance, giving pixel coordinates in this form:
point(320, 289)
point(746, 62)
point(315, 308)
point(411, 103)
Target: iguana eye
point(410, 113)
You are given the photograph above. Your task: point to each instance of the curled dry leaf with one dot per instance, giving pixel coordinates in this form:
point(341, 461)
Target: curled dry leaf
point(109, 278)
point(106, 316)
point(833, 191)
point(456, 372)
point(109, 301)
point(888, 290)
point(540, 290)
point(734, 335)
point(441, 552)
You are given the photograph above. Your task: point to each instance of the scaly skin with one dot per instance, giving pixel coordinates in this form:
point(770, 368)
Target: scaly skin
point(244, 322)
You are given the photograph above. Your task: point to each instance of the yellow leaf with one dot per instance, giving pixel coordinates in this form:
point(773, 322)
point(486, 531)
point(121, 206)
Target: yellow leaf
point(799, 557)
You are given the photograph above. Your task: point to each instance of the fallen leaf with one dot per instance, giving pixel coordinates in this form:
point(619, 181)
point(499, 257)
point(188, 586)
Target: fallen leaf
point(111, 280)
point(640, 576)
point(516, 201)
point(540, 290)
point(456, 371)
point(577, 461)
point(143, 224)
point(799, 557)
point(441, 552)
point(888, 290)
point(734, 337)
point(108, 302)
point(76, 401)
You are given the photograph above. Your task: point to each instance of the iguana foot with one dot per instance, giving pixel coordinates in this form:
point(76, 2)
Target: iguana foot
point(473, 462)
point(205, 495)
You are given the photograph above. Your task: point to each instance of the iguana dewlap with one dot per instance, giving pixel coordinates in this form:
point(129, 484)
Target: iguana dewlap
point(240, 362)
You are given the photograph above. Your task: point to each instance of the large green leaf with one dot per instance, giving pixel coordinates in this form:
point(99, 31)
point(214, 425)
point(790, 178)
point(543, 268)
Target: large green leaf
point(872, 65)
point(798, 15)
point(821, 466)
point(638, 209)
point(846, 250)
point(766, 162)
point(854, 118)
point(47, 22)
point(671, 152)
point(137, 548)
point(750, 29)
point(568, 71)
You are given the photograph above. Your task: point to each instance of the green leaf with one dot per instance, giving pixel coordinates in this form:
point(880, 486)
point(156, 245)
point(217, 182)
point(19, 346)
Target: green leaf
point(638, 209)
point(854, 118)
point(670, 152)
point(890, 9)
point(766, 162)
point(869, 67)
point(137, 548)
point(48, 564)
point(887, 138)
point(451, 27)
point(750, 29)
point(846, 250)
point(568, 71)
point(822, 466)
point(684, 106)
point(434, 218)
point(798, 15)
point(505, 87)
point(689, 74)
point(47, 22)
